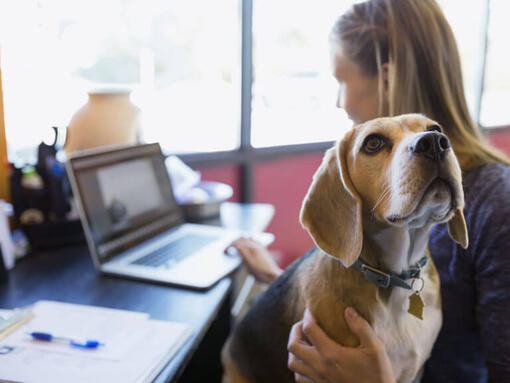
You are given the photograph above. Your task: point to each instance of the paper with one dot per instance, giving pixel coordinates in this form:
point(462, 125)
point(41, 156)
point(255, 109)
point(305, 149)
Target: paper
point(182, 176)
point(81, 323)
point(135, 347)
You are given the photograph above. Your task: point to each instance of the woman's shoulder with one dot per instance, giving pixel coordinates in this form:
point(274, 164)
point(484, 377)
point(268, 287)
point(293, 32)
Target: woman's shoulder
point(486, 191)
point(486, 172)
point(489, 180)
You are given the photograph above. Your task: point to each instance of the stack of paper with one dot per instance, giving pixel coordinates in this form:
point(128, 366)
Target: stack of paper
point(135, 347)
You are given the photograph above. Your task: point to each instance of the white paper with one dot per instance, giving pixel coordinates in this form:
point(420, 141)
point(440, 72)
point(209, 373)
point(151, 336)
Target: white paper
point(182, 176)
point(136, 348)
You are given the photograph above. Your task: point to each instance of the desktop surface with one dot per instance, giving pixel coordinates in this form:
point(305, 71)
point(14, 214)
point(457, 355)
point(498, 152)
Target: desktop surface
point(68, 275)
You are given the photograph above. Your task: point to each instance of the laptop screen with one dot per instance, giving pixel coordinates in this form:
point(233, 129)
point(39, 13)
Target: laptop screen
point(126, 196)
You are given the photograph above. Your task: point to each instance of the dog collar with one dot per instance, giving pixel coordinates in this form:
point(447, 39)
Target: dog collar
point(386, 279)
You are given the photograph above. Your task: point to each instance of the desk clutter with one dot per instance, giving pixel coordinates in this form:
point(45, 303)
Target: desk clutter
point(41, 198)
point(60, 342)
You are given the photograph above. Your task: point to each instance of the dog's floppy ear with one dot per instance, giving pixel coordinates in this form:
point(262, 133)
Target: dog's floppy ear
point(458, 230)
point(331, 211)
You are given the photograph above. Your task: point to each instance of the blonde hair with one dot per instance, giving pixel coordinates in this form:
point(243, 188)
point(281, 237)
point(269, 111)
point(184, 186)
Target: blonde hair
point(424, 71)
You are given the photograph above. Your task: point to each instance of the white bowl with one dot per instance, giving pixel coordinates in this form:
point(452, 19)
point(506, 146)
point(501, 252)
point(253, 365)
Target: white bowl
point(204, 200)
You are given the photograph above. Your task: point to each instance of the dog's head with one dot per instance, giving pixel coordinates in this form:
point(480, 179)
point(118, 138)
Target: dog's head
point(400, 171)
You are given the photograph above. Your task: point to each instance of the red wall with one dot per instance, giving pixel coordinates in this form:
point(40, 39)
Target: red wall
point(501, 140)
point(283, 183)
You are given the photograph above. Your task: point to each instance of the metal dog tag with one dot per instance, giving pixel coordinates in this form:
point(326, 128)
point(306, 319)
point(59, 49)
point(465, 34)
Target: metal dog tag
point(416, 305)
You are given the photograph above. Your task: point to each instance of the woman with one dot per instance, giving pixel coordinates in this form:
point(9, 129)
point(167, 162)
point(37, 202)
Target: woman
point(399, 56)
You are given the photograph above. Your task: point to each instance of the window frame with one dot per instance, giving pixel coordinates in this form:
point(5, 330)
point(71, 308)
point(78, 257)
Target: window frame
point(246, 157)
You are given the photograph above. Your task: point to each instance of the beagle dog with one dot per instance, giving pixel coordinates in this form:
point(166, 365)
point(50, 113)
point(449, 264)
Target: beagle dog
point(369, 210)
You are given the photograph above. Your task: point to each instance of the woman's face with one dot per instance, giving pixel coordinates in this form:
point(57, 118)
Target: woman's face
point(358, 94)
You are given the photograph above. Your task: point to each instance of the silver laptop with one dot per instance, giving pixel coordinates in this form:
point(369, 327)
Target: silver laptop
point(135, 228)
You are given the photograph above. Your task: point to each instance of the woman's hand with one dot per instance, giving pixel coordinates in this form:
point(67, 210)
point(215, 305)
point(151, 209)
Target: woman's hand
point(314, 357)
point(257, 258)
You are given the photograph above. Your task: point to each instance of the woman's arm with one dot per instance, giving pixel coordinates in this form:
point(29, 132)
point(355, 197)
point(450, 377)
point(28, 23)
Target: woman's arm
point(488, 218)
point(314, 357)
point(493, 302)
point(257, 259)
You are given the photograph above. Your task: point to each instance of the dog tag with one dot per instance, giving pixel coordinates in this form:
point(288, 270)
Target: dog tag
point(416, 306)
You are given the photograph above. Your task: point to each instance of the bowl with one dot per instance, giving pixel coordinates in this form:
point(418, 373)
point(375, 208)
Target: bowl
point(204, 200)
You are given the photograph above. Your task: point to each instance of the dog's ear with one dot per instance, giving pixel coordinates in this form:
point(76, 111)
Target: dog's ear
point(458, 230)
point(331, 210)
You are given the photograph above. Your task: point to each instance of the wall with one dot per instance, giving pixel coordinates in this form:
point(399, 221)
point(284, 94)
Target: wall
point(284, 183)
point(500, 139)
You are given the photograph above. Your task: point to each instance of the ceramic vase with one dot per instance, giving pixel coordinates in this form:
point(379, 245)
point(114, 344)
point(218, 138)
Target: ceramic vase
point(108, 118)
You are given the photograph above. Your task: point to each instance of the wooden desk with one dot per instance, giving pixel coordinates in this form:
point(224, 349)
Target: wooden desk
point(68, 275)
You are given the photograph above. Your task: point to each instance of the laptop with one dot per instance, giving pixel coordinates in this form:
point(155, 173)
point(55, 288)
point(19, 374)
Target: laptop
point(135, 228)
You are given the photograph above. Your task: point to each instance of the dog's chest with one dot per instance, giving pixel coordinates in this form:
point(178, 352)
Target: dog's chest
point(408, 340)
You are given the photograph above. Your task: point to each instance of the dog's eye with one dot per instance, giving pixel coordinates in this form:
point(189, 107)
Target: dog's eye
point(436, 128)
point(373, 144)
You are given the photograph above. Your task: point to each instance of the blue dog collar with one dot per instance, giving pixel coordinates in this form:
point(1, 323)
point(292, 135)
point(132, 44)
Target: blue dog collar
point(387, 279)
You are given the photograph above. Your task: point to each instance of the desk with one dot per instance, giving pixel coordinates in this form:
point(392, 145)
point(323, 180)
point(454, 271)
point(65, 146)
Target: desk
point(68, 275)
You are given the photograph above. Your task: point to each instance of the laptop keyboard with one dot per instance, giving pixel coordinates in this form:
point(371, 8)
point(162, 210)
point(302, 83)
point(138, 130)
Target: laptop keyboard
point(175, 251)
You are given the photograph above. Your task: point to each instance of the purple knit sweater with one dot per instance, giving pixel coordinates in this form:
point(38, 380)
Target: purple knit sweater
point(474, 342)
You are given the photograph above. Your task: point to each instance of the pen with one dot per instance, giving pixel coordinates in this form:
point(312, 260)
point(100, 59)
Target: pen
point(44, 336)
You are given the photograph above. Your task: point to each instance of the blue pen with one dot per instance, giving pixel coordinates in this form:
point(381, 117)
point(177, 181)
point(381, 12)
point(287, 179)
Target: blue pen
point(44, 336)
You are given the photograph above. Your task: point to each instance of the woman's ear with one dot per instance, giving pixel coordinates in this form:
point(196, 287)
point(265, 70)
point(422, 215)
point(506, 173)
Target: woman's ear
point(331, 210)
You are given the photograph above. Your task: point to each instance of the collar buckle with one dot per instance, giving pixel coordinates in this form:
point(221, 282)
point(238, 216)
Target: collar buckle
point(376, 276)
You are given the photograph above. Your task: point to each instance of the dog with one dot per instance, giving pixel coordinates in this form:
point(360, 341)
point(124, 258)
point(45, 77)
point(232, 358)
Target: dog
point(369, 210)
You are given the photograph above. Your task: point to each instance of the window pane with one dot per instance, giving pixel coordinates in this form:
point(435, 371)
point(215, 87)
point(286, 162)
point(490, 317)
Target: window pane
point(496, 95)
point(181, 56)
point(294, 92)
point(466, 20)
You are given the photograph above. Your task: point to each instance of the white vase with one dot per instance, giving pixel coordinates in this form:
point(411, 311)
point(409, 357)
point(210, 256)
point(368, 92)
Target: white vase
point(108, 118)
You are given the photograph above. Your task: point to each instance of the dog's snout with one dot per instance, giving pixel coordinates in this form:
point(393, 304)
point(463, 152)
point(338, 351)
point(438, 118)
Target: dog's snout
point(433, 145)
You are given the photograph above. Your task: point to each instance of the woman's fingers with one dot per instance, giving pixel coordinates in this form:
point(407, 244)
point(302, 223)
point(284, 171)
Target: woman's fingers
point(361, 328)
point(321, 360)
point(257, 259)
point(325, 346)
point(302, 379)
point(302, 370)
point(298, 346)
point(301, 355)
point(242, 247)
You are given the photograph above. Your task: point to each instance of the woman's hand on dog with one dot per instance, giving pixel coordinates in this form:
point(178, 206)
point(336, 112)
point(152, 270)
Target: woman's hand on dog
point(257, 259)
point(314, 357)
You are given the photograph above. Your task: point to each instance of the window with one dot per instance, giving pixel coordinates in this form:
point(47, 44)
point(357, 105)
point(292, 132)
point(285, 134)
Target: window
point(468, 28)
point(294, 92)
point(182, 57)
point(496, 95)
point(183, 60)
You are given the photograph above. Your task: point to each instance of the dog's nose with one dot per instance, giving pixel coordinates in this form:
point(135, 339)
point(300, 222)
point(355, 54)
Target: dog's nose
point(433, 145)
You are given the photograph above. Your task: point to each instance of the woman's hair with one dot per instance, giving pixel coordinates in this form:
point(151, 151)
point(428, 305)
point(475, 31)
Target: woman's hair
point(424, 72)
